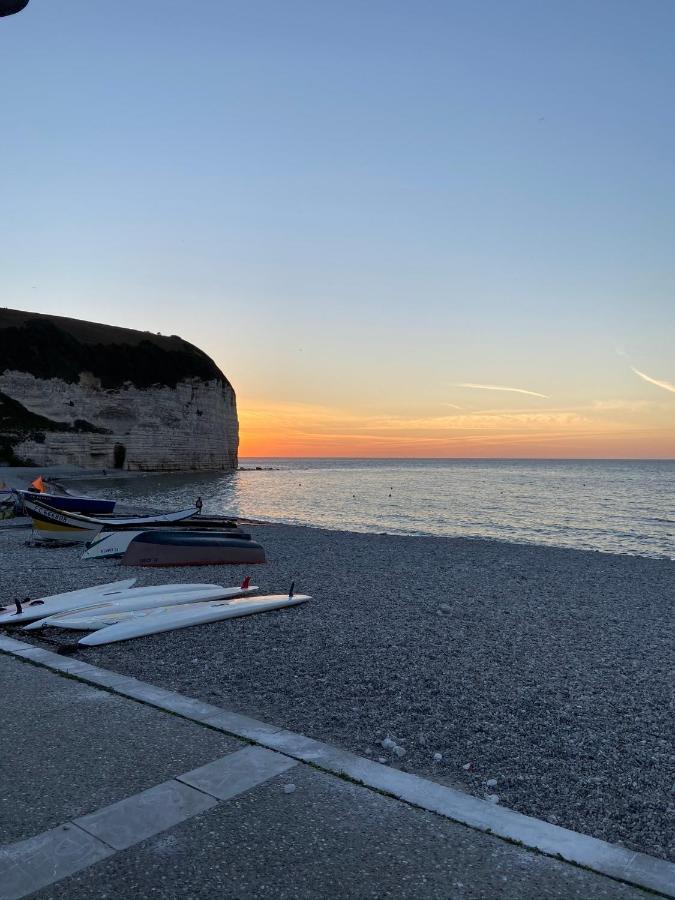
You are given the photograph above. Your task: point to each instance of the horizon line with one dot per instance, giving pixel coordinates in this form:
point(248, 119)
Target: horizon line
point(483, 458)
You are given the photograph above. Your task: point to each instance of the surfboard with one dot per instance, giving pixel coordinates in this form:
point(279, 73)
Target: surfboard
point(172, 617)
point(52, 603)
point(84, 598)
point(111, 612)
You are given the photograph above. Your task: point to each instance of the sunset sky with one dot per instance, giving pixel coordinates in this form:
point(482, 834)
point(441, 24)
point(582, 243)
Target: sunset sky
point(426, 228)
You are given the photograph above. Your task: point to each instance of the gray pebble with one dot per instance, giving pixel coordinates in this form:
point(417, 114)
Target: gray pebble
point(515, 685)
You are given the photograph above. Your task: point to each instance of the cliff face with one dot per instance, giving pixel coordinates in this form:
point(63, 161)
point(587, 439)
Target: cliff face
point(97, 396)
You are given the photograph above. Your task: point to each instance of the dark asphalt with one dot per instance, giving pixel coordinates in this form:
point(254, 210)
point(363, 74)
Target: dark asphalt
point(329, 839)
point(68, 748)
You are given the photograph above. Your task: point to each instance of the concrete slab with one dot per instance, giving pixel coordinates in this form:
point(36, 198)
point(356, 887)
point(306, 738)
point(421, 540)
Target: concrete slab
point(29, 865)
point(619, 863)
point(225, 778)
point(136, 818)
point(325, 839)
point(68, 748)
point(583, 850)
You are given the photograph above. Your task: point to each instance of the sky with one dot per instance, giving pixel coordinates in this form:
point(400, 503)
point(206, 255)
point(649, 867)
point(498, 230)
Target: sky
point(375, 217)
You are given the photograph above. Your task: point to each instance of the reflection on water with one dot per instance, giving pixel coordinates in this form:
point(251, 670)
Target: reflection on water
point(615, 506)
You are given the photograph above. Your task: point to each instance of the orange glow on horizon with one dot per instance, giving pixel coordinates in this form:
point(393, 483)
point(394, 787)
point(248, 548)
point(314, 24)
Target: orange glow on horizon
point(601, 430)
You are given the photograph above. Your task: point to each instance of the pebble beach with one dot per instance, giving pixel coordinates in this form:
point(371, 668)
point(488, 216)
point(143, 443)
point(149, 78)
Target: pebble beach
point(533, 676)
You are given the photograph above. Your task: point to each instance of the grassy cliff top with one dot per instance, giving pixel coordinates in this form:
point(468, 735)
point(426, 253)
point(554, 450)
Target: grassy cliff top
point(58, 347)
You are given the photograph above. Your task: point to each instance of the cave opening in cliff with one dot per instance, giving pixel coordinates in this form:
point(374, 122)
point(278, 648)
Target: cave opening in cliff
point(119, 456)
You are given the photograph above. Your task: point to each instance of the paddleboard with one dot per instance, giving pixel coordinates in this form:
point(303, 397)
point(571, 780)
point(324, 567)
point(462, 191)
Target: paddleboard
point(40, 605)
point(171, 617)
point(114, 611)
point(84, 599)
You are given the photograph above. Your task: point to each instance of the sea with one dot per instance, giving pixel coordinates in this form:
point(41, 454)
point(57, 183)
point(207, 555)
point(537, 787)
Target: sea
point(613, 506)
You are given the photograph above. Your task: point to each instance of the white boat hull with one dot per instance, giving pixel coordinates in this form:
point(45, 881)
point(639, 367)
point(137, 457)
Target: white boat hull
point(112, 543)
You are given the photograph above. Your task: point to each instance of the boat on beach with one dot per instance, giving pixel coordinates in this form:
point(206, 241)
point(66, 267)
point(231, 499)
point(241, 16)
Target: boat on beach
point(67, 503)
point(52, 524)
point(110, 544)
point(160, 547)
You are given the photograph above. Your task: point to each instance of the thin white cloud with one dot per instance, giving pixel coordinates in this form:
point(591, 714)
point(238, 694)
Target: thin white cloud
point(497, 387)
point(453, 406)
point(666, 385)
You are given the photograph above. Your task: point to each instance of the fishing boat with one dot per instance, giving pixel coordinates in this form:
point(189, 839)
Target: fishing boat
point(52, 524)
point(67, 503)
point(159, 547)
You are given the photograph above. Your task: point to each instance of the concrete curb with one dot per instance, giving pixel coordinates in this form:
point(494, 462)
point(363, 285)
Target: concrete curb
point(633, 868)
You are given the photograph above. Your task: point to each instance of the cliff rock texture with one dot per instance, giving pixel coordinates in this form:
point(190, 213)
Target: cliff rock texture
point(97, 396)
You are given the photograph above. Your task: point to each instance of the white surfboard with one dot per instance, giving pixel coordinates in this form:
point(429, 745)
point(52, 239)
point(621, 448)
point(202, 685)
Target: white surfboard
point(36, 609)
point(169, 618)
point(110, 613)
point(84, 599)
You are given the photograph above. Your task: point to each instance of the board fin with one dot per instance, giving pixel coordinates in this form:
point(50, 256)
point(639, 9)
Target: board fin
point(245, 583)
point(291, 589)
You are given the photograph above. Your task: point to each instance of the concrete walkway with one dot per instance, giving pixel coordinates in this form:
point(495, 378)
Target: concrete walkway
point(106, 796)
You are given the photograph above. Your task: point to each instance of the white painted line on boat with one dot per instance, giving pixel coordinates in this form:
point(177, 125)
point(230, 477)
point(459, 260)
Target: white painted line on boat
point(637, 869)
point(29, 865)
point(238, 772)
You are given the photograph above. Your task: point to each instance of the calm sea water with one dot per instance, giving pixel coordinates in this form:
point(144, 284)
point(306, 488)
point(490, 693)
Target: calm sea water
point(614, 506)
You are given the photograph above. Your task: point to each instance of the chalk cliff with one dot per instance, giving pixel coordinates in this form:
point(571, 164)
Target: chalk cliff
point(98, 396)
